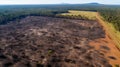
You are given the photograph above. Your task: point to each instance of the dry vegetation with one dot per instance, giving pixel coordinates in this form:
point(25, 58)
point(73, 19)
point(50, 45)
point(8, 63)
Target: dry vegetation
point(80, 14)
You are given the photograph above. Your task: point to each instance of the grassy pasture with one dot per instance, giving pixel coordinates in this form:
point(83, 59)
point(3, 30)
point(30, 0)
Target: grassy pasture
point(80, 14)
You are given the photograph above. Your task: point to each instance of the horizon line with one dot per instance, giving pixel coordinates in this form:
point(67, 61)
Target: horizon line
point(56, 4)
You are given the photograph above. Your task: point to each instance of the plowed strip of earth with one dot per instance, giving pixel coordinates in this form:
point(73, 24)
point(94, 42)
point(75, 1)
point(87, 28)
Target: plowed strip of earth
point(109, 45)
point(37, 41)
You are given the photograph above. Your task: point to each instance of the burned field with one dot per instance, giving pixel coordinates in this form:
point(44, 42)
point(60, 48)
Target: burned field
point(50, 42)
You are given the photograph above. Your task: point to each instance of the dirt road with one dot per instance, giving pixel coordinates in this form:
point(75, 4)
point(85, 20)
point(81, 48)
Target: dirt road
point(109, 43)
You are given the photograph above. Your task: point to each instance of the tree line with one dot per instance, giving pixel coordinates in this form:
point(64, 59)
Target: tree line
point(112, 16)
point(111, 13)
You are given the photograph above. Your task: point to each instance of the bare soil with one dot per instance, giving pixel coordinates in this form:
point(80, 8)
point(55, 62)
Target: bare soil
point(107, 45)
point(52, 42)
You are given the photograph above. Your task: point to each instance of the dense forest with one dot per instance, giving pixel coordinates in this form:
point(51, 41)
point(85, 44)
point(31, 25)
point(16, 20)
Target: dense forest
point(112, 16)
point(111, 13)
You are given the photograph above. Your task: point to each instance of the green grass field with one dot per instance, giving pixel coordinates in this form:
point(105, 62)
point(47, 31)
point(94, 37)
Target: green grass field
point(80, 14)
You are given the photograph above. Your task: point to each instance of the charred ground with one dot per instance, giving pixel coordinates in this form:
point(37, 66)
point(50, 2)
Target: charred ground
point(37, 41)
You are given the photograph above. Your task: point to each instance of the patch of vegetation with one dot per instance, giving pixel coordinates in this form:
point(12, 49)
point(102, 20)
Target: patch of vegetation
point(86, 15)
point(117, 65)
point(50, 52)
point(112, 16)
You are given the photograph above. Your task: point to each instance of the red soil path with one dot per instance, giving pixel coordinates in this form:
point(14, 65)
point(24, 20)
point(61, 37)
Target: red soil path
point(107, 46)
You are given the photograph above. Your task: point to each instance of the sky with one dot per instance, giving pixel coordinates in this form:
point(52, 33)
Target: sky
point(115, 2)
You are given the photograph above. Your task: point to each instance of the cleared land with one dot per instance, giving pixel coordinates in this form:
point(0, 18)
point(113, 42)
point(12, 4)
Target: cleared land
point(111, 31)
point(113, 39)
point(112, 36)
point(37, 41)
point(51, 42)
